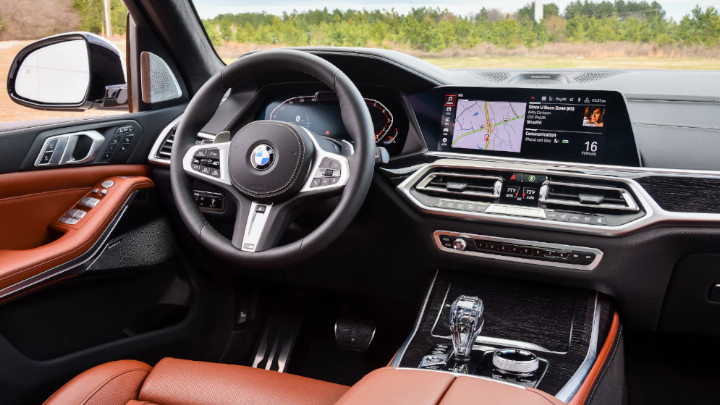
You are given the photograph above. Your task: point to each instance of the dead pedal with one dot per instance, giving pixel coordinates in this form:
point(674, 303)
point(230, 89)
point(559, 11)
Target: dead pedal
point(354, 334)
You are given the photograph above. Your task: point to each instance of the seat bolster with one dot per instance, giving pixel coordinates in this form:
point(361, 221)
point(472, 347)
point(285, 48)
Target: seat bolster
point(112, 383)
point(186, 382)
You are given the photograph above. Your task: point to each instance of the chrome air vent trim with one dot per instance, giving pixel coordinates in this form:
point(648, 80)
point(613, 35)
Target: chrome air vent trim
point(653, 214)
point(427, 184)
point(628, 204)
point(154, 157)
point(157, 156)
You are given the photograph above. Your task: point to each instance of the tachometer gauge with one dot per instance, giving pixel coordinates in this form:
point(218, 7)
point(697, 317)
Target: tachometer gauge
point(382, 118)
point(320, 114)
point(287, 113)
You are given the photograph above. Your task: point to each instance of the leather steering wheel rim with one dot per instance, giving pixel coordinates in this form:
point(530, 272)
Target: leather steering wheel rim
point(355, 117)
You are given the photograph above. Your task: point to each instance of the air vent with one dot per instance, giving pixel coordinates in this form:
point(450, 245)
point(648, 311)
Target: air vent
point(590, 196)
point(162, 155)
point(165, 148)
point(463, 184)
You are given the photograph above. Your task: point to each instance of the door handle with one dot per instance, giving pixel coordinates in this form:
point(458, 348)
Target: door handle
point(75, 148)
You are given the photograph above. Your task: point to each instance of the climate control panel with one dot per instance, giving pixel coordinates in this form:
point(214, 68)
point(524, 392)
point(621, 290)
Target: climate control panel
point(517, 250)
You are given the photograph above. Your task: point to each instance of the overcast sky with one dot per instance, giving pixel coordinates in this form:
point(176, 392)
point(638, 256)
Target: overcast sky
point(209, 8)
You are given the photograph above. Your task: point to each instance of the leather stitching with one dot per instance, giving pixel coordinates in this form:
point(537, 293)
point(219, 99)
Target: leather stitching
point(605, 369)
point(109, 380)
point(83, 245)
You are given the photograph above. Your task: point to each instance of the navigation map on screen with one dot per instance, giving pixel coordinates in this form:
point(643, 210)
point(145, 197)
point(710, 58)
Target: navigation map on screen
point(489, 125)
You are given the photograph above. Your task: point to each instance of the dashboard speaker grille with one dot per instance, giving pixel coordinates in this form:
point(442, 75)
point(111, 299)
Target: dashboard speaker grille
point(587, 77)
point(470, 185)
point(495, 77)
point(589, 196)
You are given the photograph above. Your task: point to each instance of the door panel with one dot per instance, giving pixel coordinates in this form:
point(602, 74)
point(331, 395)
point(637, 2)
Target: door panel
point(62, 240)
point(112, 286)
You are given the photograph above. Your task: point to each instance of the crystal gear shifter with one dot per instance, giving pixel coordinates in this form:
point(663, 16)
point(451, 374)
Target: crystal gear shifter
point(466, 322)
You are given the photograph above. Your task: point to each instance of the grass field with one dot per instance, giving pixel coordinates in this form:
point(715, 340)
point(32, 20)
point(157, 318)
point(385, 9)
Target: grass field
point(10, 111)
point(553, 62)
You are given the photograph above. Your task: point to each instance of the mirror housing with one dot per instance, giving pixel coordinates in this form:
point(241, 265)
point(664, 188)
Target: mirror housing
point(101, 84)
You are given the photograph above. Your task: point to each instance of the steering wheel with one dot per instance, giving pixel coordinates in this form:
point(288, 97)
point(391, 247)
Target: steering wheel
point(271, 169)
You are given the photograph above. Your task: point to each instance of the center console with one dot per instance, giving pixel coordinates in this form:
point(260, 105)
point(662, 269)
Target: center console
point(534, 335)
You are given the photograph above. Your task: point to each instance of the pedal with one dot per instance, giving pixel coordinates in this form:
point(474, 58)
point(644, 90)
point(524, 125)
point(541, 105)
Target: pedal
point(354, 334)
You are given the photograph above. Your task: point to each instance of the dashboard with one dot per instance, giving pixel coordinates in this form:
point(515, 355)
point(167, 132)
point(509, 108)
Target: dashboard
point(598, 179)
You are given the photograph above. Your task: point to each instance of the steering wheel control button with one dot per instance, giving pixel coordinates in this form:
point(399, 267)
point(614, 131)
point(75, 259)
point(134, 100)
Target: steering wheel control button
point(107, 184)
point(262, 157)
point(207, 161)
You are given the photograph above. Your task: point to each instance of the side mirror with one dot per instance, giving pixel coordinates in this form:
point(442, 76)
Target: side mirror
point(74, 71)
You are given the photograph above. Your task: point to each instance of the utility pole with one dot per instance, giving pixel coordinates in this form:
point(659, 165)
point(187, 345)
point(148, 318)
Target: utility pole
point(108, 27)
point(538, 11)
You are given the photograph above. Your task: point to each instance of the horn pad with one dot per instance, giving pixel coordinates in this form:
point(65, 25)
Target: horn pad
point(270, 160)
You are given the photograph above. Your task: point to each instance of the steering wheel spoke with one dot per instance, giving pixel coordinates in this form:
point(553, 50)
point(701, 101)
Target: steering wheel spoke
point(259, 226)
point(209, 163)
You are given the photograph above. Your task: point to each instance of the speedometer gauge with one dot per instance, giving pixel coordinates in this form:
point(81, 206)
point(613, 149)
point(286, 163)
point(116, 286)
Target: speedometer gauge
point(320, 114)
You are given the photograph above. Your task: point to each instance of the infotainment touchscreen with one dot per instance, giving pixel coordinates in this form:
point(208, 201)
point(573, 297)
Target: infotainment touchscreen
point(577, 126)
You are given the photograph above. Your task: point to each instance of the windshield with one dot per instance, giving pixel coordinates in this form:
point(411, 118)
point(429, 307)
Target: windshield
point(673, 34)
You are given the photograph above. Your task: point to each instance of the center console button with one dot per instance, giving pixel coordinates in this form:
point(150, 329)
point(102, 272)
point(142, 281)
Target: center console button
point(459, 244)
point(563, 216)
point(515, 361)
point(587, 258)
point(575, 218)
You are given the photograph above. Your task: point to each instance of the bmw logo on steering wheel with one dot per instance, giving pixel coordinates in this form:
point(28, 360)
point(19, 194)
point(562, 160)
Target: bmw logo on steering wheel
point(262, 157)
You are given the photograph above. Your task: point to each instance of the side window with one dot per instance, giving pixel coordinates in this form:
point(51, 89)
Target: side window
point(23, 22)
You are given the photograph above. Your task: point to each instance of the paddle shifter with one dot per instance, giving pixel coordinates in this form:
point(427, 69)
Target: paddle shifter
point(466, 322)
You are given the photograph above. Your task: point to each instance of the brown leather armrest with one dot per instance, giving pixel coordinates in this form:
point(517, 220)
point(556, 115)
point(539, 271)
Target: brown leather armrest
point(395, 386)
point(479, 391)
point(18, 265)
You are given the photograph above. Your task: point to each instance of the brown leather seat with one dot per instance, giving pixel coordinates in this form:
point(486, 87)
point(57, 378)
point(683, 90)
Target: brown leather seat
point(185, 382)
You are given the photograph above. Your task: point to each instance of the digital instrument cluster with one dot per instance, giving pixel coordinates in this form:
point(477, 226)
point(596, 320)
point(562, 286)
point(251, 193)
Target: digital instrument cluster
point(320, 113)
